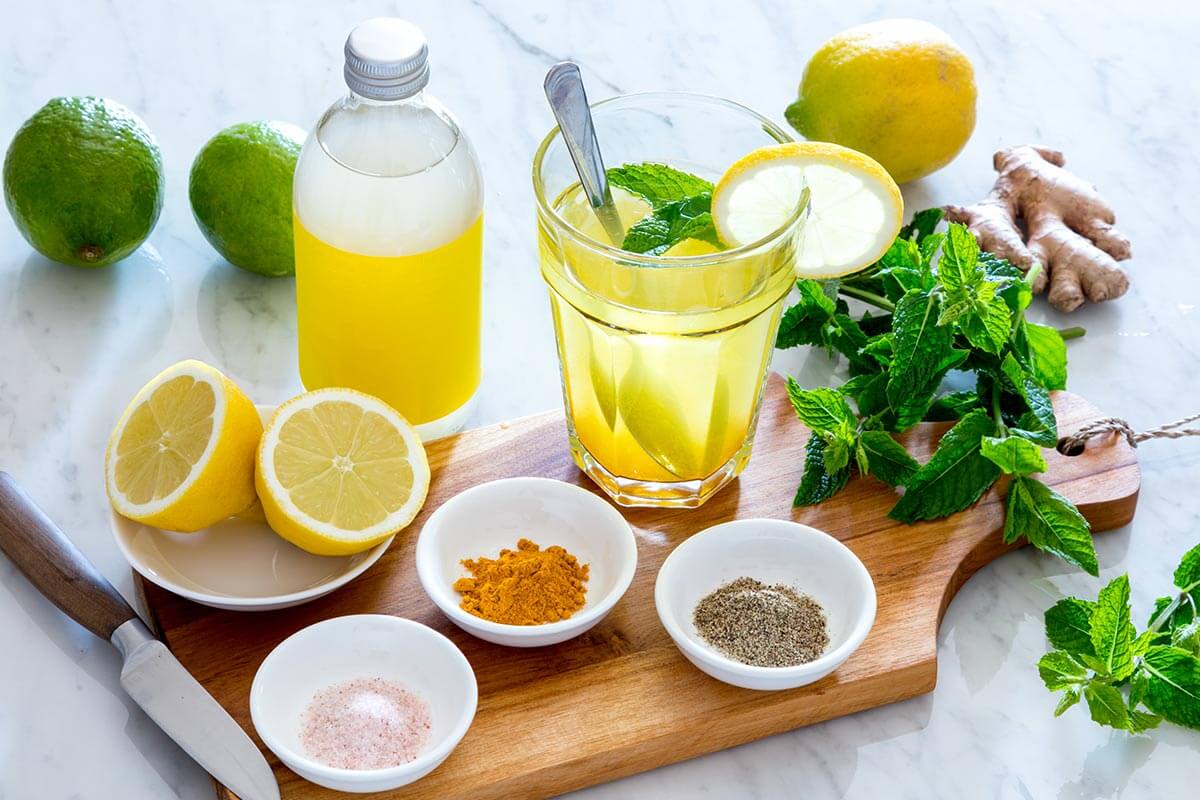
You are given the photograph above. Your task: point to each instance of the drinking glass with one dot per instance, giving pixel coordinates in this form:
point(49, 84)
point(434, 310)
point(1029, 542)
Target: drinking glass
point(663, 358)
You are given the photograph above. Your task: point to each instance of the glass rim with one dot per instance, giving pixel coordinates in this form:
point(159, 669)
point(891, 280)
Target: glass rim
point(659, 261)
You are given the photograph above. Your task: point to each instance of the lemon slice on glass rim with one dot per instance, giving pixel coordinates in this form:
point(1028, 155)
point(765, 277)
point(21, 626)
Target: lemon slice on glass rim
point(181, 457)
point(339, 471)
point(855, 208)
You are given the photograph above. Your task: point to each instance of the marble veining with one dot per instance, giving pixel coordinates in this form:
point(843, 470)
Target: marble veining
point(1105, 83)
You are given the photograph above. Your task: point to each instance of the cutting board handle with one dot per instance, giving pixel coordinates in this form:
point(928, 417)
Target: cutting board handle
point(54, 565)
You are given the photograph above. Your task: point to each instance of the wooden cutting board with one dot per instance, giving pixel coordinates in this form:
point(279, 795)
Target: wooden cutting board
point(620, 699)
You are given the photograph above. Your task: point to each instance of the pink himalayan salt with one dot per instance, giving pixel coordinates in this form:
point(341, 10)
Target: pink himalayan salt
point(365, 723)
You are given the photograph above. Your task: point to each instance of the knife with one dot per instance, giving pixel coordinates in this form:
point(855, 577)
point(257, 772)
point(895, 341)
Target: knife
point(151, 675)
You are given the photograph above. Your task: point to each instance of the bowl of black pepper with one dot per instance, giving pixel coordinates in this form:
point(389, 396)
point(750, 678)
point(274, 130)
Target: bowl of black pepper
point(764, 603)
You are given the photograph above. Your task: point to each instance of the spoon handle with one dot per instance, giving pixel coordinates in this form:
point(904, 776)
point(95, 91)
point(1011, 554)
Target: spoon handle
point(568, 100)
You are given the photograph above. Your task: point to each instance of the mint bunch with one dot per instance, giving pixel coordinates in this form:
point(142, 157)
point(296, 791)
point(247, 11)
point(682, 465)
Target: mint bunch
point(1130, 681)
point(947, 306)
point(681, 204)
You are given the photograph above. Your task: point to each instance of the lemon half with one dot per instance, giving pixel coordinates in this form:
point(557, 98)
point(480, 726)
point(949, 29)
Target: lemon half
point(855, 208)
point(339, 471)
point(182, 455)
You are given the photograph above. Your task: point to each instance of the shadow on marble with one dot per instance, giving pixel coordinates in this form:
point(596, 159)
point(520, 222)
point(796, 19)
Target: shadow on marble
point(101, 662)
point(1108, 769)
point(248, 322)
point(75, 318)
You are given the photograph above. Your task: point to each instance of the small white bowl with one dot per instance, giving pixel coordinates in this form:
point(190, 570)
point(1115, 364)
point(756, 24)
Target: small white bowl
point(363, 646)
point(491, 516)
point(239, 564)
point(772, 551)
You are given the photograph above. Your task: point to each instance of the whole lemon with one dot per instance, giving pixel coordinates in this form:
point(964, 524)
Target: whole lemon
point(899, 90)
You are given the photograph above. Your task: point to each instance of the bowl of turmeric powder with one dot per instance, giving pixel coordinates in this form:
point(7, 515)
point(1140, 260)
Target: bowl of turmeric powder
point(526, 562)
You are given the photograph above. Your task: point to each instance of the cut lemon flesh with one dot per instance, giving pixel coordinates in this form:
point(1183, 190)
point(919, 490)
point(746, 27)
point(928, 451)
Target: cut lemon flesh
point(855, 208)
point(339, 471)
point(182, 455)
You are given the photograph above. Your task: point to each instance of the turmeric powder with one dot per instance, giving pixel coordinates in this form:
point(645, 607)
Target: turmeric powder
point(526, 586)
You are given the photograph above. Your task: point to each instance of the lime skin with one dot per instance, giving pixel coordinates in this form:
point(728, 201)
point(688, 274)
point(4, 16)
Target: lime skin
point(241, 193)
point(83, 180)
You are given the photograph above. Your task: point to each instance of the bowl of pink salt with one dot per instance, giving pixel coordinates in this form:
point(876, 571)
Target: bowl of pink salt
point(363, 703)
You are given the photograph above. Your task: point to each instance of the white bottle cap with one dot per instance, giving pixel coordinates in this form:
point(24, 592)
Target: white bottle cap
point(386, 59)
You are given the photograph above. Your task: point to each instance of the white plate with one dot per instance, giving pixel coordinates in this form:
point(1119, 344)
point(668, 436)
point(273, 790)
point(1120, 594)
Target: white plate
point(336, 650)
point(491, 516)
point(772, 551)
point(237, 564)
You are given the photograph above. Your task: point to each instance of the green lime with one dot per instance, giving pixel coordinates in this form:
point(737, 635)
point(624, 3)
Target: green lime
point(83, 180)
point(241, 193)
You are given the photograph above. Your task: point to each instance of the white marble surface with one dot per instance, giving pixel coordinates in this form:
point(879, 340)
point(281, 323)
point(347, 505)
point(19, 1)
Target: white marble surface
point(1112, 85)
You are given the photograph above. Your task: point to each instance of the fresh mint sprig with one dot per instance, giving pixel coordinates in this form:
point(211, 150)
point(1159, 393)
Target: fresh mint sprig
point(1129, 681)
point(946, 306)
point(681, 204)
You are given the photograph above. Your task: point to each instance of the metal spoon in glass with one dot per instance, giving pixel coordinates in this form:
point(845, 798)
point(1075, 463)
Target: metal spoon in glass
point(568, 101)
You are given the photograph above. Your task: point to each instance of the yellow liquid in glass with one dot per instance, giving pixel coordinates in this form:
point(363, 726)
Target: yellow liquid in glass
point(402, 328)
point(662, 368)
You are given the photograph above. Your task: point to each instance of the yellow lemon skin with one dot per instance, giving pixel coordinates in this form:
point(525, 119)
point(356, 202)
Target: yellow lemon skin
point(225, 485)
point(899, 90)
point(306, 534)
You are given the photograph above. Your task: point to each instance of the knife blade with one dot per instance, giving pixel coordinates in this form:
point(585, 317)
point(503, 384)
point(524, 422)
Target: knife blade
point(151, 675)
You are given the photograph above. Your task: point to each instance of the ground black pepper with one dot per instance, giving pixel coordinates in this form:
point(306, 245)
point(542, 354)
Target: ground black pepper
point(762, 625)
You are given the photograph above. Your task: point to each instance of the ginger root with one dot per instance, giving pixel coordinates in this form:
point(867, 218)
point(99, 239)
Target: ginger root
point(1038, 212)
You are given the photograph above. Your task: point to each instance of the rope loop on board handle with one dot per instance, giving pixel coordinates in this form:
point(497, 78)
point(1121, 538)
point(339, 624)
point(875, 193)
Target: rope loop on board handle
point(1074, 444)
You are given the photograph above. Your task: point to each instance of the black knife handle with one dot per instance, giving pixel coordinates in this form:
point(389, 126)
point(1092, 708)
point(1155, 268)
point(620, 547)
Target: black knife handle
point(55, 566)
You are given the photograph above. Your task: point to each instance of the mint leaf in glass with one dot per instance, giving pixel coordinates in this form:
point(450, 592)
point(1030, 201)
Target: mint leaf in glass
point(658, 184)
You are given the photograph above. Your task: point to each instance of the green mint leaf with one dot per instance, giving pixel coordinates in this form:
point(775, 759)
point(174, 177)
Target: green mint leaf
point(837, 452)
point(954, 477)
point(1060, 670)
point(1050, 522)
point(1069, 626)
point(1112, 630)
point(1179, 615)
point(1140, 721)
point(952, 406)
point(1069, 698)
point(1013, 455)
point(902, 268)
point(882, 349)
point(1010, 281)
point(923, 223)
point(804, 323)
point(1106, 705)
point(1187, 574)
point(845, 336)
point(872, 396)
point(817, 485)
point(821, 409)
point(1028, 427)
point(1047, 355)
point(1173, 688)
point(670, 224)
point(1137, 687)
point(988, 325)
point(1187, 637)
point(923, 354)
point(959, 266)
point(887, 459)
point(812, 295)
point(658, 184)
point(1036, 398)
point(930, 246)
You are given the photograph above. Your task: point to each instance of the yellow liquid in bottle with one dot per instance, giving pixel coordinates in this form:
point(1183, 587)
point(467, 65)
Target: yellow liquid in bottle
point(388, 229)
point(403, 328)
